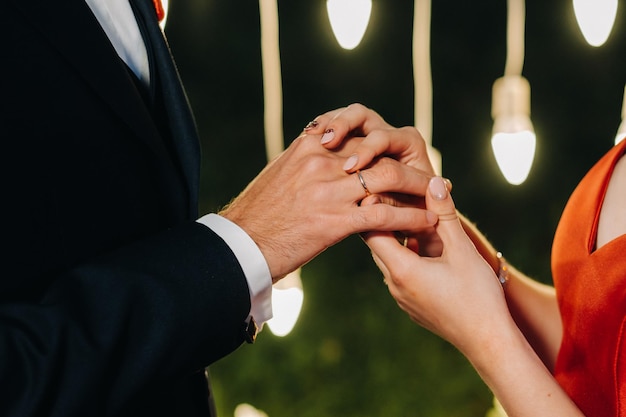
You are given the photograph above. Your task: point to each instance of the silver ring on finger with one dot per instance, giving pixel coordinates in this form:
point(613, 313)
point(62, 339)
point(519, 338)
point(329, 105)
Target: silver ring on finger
point(362, 181)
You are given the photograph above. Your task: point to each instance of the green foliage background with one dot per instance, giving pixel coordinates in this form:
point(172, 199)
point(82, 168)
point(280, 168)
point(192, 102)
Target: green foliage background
point(353, 351)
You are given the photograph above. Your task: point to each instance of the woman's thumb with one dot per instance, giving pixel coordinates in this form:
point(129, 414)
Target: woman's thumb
point(439, 201)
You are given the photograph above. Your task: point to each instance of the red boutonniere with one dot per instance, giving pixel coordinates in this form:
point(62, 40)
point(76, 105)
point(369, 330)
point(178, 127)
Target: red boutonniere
point(160, 11)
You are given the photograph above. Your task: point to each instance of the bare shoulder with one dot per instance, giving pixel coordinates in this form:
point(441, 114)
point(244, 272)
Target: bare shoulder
point(612, 222)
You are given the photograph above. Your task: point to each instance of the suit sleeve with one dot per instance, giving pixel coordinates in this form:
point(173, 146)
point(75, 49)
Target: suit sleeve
point(156, 310)
point(110, 295)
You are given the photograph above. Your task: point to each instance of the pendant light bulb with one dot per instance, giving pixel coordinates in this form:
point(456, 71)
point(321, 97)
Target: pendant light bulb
point(595, 19)
point(247, 410)
point(287, 298)
point(349, 20)
point(513, 140)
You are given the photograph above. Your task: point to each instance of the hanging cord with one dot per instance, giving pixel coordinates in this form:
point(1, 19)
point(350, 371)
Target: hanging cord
point(272, 81)
point(422, 69)
point(516, 17)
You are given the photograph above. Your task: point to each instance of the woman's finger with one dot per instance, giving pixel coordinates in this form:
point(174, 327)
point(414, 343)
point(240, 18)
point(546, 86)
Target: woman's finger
point(403, 144)
point(319, 124)
point(340, 124)
point(439, 201)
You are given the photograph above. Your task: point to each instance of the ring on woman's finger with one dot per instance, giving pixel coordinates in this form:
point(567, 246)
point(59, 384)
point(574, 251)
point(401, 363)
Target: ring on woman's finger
point(311, 125)
point(362, 181)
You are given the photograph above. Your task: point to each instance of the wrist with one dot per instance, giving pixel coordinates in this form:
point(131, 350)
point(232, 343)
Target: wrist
point(497, 345)
point(502, 269)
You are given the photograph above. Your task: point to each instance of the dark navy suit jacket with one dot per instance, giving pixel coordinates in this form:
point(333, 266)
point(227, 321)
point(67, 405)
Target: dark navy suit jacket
point(113, 299)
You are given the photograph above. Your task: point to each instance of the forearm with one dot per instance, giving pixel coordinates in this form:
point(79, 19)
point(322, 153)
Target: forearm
point(518, 378)
point(533, 305)
point(147, 314)
point(534, 308)
point(467, 307)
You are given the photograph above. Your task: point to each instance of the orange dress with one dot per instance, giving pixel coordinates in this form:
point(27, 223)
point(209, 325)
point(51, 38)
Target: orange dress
point(591, 291)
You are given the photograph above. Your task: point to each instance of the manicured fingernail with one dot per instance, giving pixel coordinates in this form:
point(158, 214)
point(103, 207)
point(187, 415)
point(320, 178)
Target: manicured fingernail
point(351, 162)
point(431, 217)
point(328, 136)
point(437, 188)
point(312, 124)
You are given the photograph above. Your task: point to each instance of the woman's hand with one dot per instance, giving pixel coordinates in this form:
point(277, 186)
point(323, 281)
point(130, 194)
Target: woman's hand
point(455, 295)
point(405, 144)
point(303, 202)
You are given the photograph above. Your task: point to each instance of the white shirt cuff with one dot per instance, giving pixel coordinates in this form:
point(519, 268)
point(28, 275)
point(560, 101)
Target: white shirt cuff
point(252, 262)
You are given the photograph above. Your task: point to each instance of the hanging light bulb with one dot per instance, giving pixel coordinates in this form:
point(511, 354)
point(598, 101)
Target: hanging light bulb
point(349, 19)
point(287, 298)
point(621, 130)
point(423, 81)
point(595, 19)
point(287, 294)
point(246, 410)
point(513, 140)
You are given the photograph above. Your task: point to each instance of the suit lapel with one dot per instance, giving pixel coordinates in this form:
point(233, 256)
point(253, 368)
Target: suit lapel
point(171, 92)
point(85, 45)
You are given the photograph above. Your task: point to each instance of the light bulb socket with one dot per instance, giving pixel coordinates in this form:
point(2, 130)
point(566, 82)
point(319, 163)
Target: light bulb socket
point(511, 97)
point(512, 124)
point(513, 139)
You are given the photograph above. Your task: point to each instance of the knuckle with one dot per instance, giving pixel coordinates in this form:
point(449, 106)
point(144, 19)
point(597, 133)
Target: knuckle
point(309, 141)
point(412, 131)
point(401, 276)
point(415, 136)
point(378, 135)
point(313, 164)
point(357, 107)
point(389, 172)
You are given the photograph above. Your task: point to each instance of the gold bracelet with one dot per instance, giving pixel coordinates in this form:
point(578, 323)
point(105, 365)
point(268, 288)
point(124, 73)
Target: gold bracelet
point(503, 269)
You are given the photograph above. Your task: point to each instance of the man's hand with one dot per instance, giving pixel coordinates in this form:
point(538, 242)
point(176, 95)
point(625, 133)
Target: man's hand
point(305, 201)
